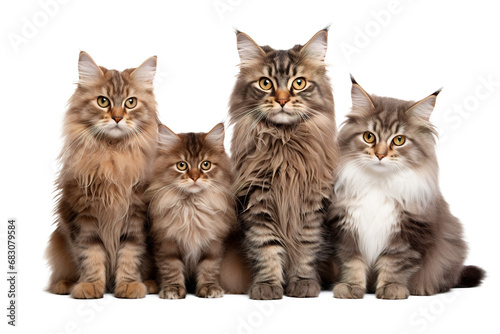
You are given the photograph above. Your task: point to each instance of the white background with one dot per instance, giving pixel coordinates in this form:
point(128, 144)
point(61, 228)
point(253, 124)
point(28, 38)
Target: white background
point(417, 48)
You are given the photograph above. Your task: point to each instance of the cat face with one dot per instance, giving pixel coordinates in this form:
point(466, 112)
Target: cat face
point(386, 134)
point(113, 104)
point(193, 162)
point(281, 86)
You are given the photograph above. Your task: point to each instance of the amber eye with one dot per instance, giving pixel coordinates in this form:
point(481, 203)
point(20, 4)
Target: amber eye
point(299, 83)
point(181, 165)
point(103, 101)
point(265, 83)
point(369, 137)
point(399, 140)
point(131, 102)
point(205, 165)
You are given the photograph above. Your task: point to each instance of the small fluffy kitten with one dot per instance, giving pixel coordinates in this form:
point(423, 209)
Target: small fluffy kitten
point(393, 232)
point(110, 132)
point(284, 151)
point(192, 211)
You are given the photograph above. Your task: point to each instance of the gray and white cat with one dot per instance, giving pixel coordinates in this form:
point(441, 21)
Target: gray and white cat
point(393, 232)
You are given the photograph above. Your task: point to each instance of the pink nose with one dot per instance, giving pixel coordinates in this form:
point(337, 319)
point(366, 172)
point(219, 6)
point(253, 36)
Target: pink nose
point(380, 156)
point(282, 102)
point(117, 119)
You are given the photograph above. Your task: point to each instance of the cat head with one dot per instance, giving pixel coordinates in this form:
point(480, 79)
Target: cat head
point(110, 104)
point(281, 87)
point(193, 162)
point(388, 135)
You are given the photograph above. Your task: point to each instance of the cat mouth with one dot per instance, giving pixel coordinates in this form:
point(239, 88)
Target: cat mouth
point(194, 188)
point(115, 131)
point(282, 116)
point(380, 166)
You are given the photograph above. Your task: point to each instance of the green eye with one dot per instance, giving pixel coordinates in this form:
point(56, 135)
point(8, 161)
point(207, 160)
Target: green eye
point(265, 83)
point(299, 83)
point(181, 165)
point(103, 101)
point(131, 102)
point(369, 137)
point(205, 165)
point(399, 140)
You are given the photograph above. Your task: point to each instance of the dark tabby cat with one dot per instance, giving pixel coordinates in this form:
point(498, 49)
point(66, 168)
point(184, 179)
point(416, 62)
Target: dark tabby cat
point(110, 139)
point(393, 231)
point(192, 211)
point(284, 152)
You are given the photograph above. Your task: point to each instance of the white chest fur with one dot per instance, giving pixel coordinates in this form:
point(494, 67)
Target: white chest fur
point(373, 203)
point(374, 217)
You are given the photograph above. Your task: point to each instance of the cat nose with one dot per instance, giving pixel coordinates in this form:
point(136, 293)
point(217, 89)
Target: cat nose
point(380, 156)
point(117, 118)
point(282, 102)
point(194, 175)
point(282, 96)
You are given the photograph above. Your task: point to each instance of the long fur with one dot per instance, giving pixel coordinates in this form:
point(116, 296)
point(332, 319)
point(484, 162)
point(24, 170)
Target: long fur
point(192, 212)
point(284, 161)
point(392, 230)
point(99, 241)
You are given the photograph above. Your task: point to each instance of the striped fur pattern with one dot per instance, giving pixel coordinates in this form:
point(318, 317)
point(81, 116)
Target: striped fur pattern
point(192, 211)
point(284, 152)
point(393, 232)
point(99, 242)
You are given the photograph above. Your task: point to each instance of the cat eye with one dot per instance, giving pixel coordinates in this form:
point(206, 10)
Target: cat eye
point(265, 83)
point(205, 165)
point(131, 102)
point(399, 140)
point(103, 101)
point(369, 137)
point(299, 83)
point(181, 165)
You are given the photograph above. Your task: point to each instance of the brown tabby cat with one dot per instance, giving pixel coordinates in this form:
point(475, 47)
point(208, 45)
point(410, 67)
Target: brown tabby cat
point(110, 132)
point(192, 211)
point(284, 151)
point(392, 229)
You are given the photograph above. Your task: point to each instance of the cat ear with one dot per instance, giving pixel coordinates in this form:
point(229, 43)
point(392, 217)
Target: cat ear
point(360, 98)
point(247, 48)
point(216, 135)
point(87, 69)
point(424, 107)
point(146, 72)
point(317, 45)
point(167, 136)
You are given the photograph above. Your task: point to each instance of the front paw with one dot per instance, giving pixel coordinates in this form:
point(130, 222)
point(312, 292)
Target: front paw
point(131, 290)
point(392, 291)
point(210, 291)
point(86, 290)
point(348, 291)
point(261, 291)
point(63, 287)
point(172, 292)
point(303, 288)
